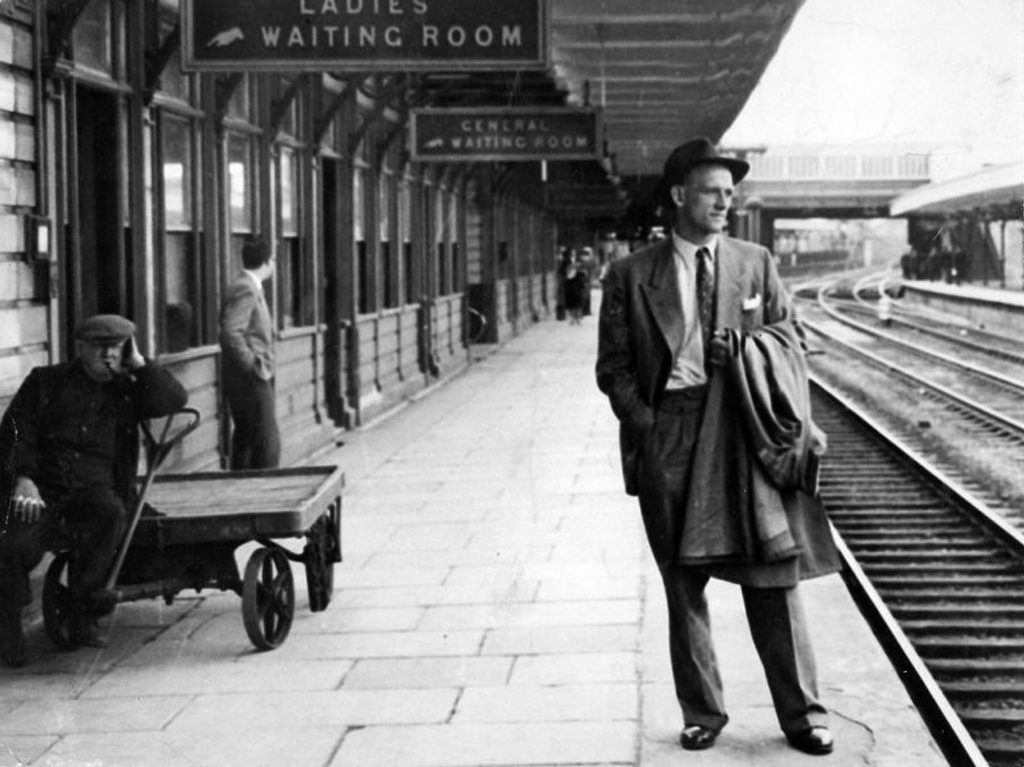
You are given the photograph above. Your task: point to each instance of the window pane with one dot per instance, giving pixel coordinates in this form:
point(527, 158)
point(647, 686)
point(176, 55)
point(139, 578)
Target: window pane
point(384, 207)
point(404, 213)
point(358, 204)
point(91, 37)
point(239, 175)
point(177, 173)
point(238, 104)
point(179, 309)
point(289, 184)
point(174, 82)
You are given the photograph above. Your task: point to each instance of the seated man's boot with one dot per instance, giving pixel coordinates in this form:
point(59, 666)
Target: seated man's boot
point(87, 631)
point(12, 638)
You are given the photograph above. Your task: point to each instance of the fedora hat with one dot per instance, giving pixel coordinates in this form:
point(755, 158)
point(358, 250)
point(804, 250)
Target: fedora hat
point(689, 155)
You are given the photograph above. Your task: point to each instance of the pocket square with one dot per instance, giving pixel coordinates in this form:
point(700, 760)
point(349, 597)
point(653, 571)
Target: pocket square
point(749, 304)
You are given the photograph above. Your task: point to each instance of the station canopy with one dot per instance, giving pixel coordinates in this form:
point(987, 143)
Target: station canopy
point(660, 71)
point(996, 192)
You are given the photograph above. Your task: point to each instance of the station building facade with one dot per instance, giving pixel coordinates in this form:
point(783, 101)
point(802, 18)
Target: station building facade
point(129, 186)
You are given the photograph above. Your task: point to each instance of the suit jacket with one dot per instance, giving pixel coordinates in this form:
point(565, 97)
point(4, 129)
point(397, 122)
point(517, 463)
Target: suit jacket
point(641, 326)
point(246, 330)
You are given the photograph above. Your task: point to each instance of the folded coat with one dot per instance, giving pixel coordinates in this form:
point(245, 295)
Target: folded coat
point(757, 420)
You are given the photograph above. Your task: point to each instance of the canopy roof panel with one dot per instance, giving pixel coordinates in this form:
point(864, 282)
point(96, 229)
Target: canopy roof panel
point(1000, 186)
point(664, 70)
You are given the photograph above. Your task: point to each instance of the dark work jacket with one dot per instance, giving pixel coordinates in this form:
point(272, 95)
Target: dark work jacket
point(148, 392)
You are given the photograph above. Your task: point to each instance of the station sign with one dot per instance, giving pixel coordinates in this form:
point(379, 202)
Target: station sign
point(569, 197)
point(489, 134)
point(361, 36)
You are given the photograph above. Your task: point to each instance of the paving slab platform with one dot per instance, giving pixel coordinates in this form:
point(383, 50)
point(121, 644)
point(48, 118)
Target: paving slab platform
point(496, 606)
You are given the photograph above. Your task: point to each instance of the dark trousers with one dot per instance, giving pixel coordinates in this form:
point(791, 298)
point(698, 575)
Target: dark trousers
point(775, 615)
point(255, 441)
point(91, 520)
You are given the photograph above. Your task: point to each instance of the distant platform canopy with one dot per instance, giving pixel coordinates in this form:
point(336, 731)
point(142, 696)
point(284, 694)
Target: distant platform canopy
point(997, 191)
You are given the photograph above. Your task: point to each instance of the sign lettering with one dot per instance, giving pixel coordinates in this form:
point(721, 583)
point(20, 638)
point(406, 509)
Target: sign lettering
point(363, 35)
point(489, 135)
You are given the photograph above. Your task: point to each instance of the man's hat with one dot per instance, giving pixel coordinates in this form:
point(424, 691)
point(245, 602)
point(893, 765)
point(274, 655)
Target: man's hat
point(686, 157)
point(105, 328)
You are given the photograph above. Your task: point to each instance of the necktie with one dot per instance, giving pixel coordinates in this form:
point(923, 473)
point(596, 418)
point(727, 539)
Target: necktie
point(706, 297)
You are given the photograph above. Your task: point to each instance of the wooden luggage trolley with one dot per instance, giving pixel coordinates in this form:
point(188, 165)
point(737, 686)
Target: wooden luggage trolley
point(184, 531)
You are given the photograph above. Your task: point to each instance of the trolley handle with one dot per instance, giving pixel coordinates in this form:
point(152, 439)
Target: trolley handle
point(172, 433)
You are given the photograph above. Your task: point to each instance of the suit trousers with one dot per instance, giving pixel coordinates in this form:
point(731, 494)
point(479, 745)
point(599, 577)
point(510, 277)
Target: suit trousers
point(255, 441)
point(775, 616)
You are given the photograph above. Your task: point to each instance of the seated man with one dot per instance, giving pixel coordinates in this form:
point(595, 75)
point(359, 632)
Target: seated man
point(68, 457)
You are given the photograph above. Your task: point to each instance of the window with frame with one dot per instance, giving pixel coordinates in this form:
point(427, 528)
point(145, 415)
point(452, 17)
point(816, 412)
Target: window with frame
point(93, 41)
point(182, 274)
point(388, 253)
point(405, 238)
point(440, 242)
point(294, 275)
point(365, 279)
point(454, 242)
point(241, 193)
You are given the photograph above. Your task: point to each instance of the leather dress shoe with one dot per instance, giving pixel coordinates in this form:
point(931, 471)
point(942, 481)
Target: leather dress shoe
point(696, 737)
point(816, 740)
point(12, 639)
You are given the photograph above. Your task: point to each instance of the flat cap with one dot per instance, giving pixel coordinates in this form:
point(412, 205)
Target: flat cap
point(105, 328)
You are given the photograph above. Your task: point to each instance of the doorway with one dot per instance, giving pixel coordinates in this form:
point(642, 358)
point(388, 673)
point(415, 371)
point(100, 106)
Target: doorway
point(98, 277)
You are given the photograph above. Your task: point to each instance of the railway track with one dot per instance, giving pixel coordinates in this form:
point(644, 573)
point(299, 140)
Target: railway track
point(940, 577)
point(993, 403)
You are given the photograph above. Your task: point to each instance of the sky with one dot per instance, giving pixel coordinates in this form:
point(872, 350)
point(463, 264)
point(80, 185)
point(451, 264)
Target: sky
point(944, 75)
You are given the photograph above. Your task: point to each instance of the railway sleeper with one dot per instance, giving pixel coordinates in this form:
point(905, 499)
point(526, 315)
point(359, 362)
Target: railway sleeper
point(991, 716)
point(962, 611)
point(933, 514)
point(1010, 693)
point(1001, 752)
point(900, 527)
point(959, 647)
point(963, 593)
point(1007, 566)
point(975, 627)
point(864, 541)
point(952, 581)
point(937, 554)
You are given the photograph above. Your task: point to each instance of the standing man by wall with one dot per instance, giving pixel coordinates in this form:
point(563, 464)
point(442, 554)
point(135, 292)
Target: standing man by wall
point(247, 346)
point(712, 503)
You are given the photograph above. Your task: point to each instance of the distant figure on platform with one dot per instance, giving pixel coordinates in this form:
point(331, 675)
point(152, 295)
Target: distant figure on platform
point(884, 309)
point(69, 449)
point(577, 285)
point(247, 359)
point(565, 260)
point(587, 265)
point(907, 265)
point(727, 486)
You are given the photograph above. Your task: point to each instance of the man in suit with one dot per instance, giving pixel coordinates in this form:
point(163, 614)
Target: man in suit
point(69, 449)
point(247, 347)
point(685, 453)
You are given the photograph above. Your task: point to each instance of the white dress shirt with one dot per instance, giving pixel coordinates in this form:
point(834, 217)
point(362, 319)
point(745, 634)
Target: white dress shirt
point(688, 368)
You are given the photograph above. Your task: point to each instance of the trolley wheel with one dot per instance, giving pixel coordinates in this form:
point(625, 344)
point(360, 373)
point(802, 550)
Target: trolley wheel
point(60, 616)
point(268, 598)
point(319, 556)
